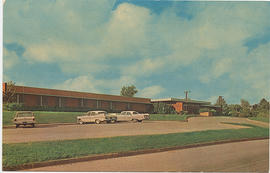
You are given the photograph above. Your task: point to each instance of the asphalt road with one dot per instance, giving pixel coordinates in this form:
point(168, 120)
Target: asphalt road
point(64, 132)
point(249, 156)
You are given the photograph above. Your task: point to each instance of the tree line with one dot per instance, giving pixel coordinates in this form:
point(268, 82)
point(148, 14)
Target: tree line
point(244, 109)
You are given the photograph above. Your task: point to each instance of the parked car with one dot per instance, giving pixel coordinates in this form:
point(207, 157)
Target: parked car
point(24, 118)
point(131, 116)
point(96, 117)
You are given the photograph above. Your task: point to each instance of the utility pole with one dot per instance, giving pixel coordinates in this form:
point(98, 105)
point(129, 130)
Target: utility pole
point(186, 92)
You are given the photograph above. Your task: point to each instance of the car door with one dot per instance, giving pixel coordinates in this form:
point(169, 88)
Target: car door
point(102, 116)
point(121, 116)
point(129, 116)
point(92, 117)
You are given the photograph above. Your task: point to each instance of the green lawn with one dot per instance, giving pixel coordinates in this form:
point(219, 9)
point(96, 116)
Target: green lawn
point(45, 117)
point(168, 117)
point(70, 117)
point(22, 153)
point(263, 119)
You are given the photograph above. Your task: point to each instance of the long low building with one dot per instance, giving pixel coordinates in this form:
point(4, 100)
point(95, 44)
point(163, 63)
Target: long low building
point(38, 98)
point(191, 106)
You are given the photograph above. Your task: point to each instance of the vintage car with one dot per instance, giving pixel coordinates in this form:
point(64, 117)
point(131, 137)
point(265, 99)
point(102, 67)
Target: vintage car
point(131, 116)
point(96, 117)
point(24, 118)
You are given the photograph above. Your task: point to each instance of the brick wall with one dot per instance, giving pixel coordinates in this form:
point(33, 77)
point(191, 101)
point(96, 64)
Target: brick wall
point(105, 105)
point(31, 100)
point(72, 102)
point(139, 107)
point(52, 101)
point(120, 106)
point(90, 103)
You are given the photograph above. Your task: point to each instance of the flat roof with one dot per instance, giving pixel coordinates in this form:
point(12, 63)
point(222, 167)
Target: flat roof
point(180, 100)
point(76, 94)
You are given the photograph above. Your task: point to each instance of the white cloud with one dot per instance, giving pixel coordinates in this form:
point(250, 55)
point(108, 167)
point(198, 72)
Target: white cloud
point(219, 67)
point(153, 41)
point(51, 51)
point(151, 91)
point(90, 84)
point(213, 99)
point(10, 58)
point(125, 33)
point(81, 83)
point(145, 67)
point(255, 70)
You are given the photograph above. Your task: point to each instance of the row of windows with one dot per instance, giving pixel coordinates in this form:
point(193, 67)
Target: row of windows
point(52, 101)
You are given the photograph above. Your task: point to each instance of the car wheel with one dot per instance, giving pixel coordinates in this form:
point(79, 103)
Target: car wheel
point(113, 121)
point(17, 125)
point(139, 120)
point(33, 125)
point(97, 121)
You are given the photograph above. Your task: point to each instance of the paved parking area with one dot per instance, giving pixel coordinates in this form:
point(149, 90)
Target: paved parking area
point(64, 132)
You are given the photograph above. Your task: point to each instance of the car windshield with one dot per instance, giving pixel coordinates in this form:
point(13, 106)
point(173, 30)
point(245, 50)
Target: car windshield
point(25, 114)
point(101, 112)
point(135, 113)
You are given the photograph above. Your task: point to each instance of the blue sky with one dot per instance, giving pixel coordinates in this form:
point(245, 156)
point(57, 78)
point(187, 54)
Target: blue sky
point(162, 47)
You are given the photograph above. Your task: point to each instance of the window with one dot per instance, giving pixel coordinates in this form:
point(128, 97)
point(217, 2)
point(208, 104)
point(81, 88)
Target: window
point(93, 113)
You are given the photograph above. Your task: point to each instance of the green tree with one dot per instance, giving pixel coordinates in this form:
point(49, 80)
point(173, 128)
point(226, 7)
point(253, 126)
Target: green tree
point(234, 110)
point(262, 108)
point(263, 105)
point(245, 109)
point(9, 93)
point(128, 91)
point(224, 107)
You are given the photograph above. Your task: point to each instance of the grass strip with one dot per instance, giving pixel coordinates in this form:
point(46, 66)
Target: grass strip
point(263, 119)
point(23, 153)
point(44, 117)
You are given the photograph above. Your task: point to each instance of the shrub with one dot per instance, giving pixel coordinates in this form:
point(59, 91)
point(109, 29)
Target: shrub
point(163, 108)
point(13, 106)
point(234, 113)
point(183, 112)
point(213, 111)
point(263, 114)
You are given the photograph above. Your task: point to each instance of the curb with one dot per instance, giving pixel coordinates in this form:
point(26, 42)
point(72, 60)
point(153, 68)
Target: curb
point(52, 124)
point(120, 154)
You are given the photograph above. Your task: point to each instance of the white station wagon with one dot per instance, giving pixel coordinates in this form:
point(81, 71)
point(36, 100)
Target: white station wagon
point(24, 118)
point(95, 117)
point(131, 116)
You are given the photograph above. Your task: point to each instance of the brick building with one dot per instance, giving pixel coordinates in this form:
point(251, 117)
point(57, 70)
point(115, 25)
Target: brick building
point(52, 99)
point(191, 106)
